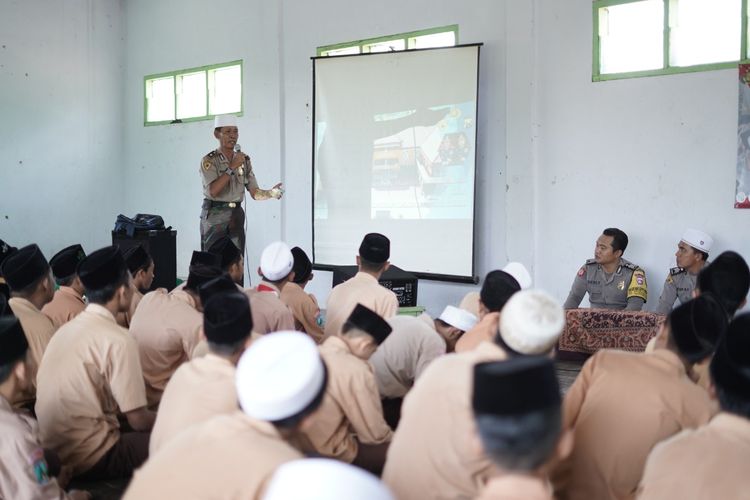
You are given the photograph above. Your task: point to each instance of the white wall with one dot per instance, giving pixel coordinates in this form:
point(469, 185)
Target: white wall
point(649, 155)
point(60, 134)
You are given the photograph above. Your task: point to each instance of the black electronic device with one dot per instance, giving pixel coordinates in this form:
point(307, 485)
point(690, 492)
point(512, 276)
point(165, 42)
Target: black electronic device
point(161, 246)
point(400, 282)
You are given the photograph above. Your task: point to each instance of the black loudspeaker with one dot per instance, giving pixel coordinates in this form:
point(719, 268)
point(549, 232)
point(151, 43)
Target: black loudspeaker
point(400, 282)
point(161, 246)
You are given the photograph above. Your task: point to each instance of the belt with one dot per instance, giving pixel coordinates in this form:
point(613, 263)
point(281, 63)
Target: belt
point(221, 204)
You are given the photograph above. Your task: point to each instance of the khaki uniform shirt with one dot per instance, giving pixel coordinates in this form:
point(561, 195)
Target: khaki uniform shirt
point(624, 289)
point(364, 289)
point(470, 303)
point(706, 463)
point(228, 457)
point(516, 487)
point(38, 329)
point(215, 164)
point(198, 390)
point(167, 329)
point(270, 314)
point(90, 373)
point(432, 454)
point(124, 318)
point(406, 352)
point(484, 331)
point(351, 412)
point(23, 470)
point(678, 285)
point(305, 309)
point(619, 407)
point(66, 305)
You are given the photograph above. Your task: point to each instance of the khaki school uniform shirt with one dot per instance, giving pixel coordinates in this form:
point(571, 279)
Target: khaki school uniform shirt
point(66, 305)
point(228, 457)
point(305, 309)
point(23, 470)
point(432, 454)
point(405, 354)
point(90, 373)
point(705, 463)
point(167, 329)
point(362, 289)
point(38, 329)
point(351, 412)
point(124, 318)
point(198, 390)
point(270, 314)
point(516, 487)
point(484, 331)
point(619, 407)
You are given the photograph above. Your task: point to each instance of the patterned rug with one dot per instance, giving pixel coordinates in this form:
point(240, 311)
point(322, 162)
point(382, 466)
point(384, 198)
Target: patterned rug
point(588, 330)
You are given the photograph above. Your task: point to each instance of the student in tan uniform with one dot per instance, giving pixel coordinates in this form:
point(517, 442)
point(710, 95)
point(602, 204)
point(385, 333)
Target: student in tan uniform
point(517, 409)
point(5, 251)
point(472, 300)
point(90, 374)
point(304, 306)
point(167, 327)
point(497, 289)
point(711, 461)
point(270, 314)
point(728, 279)
point(351, 427)
point(24, 472)
point(363, 288)
point(204, 387)
point(141, 267)
point(199, 258)
point(431, 455)
point(31, 287)
point(281, 381)
point(68, 300)
point(623, 403)
point(231, 260)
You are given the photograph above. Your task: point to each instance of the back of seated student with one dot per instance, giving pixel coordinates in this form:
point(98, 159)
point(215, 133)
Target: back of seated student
point(517, 409)
point(199, 258)
point(204, 387)
point(728, 279)
point(25, 473)
point(68, 300)
point(141, 267)
point(270, 314)
point(711, 461)
point(304, 306)
point(623, 403)
point(231, 260)
point(91, 373)
point(5, 251)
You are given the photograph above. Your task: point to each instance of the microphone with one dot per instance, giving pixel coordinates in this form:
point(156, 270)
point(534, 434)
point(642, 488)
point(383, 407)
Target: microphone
point(237, 148)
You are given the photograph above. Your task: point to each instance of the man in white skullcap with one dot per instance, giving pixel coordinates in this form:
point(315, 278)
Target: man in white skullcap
point(270, 314)
point(691, 256)
point(324, 479)
point(471, 301)
point(226, 173)
point(281, 380)
point(430, 455)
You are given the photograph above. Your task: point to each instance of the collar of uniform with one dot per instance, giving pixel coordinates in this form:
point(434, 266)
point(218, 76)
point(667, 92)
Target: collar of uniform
point(671, 359)
point(20, 302)
point(336, 343)
point(427, 319)
point(487, 349)
point(100, 310)
point(264, 286)
point(260, 426)
point(361, 275)
point(217, 360)
point(732, 424)
point(509, 486)
point(292, 287)
point(71, 292)
point(705, 264)
point(184, 297)
point(5, 405)
point(222, 158)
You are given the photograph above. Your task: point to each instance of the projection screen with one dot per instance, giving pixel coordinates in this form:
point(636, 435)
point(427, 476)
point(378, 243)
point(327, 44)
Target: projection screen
point(394, 152)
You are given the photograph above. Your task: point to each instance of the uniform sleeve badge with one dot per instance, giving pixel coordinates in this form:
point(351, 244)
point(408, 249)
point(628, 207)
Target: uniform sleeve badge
point(206, 165)
point(581, 272)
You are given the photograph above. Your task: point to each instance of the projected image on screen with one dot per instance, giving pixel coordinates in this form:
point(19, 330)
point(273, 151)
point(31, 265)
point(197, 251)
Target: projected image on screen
point(395, 153)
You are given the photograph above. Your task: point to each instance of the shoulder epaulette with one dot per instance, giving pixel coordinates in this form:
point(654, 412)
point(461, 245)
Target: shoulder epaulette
point(629, 265)
point(211, 154)
point(590, 262)
point(676, 270)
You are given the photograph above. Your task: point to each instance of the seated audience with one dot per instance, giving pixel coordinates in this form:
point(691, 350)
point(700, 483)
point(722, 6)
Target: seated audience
point(270, 314)
point(304, 306)
point(68, 301)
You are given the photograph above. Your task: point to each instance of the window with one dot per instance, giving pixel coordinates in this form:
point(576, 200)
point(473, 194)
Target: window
point(444, 36)
point(193, 94)
point(654, 37)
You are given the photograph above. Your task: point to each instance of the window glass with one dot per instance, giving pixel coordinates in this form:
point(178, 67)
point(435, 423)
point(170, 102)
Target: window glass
point(704, 31)
point(631, 37)
point(225, 89)
point(160, 99)
point(191, 95)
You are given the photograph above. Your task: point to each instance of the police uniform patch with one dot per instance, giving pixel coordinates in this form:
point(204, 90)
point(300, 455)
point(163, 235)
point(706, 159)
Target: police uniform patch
point(621, 285)
point(638, 287)
point(206, 165)
point(676, 270)
point(581, 272)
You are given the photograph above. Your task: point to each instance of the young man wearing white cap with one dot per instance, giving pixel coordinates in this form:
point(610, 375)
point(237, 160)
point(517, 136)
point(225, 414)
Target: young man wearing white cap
point(472, 301)
point(430, 455)
point(413, 344)
point(270, 314)
point(691, 256)
point(281, 380)
point(226, 172)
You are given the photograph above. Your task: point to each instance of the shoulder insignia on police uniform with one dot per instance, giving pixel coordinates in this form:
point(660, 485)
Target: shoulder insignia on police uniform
point(638, 286)
point(590, 262)
point(676, 270)
point(206, 165)
point(211, 154)
point(628, 265)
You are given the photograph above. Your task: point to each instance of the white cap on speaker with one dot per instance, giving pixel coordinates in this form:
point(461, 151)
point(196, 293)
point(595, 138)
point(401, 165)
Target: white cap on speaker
point(225, 121)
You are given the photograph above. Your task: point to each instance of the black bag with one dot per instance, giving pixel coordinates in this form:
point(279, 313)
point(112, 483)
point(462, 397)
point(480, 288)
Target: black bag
point(141, 222)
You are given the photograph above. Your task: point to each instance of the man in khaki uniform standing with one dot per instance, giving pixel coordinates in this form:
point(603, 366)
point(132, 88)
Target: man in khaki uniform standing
point(204, 387)
point(90, 374)
point(270, 314)
point(623, 403)
point(304, 306)
point(280, 382)
point(167, 327)
point(68, 300)
point(432, 455)
point(31, 286)
point(711, 461)
point(226, 173)
point(24, 472)
point(351, 427)
point(363, 288)
point(692, 257)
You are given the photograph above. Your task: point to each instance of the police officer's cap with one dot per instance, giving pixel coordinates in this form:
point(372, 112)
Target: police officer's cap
point(375, 248)
point(65, 262)
point(13, 343)
point(226, 317)
point(102, 268)
point(24, 266)
point(370, 322)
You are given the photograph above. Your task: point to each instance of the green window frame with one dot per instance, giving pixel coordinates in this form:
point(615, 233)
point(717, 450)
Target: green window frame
point(407, 40)
point(667, 68)
point(175, 77)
